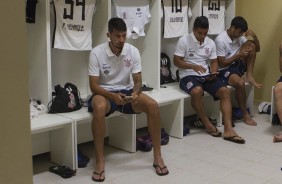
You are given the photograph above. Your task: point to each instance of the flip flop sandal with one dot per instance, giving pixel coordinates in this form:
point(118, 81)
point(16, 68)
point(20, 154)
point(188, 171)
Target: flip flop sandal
point(98, 174)
point(63, 171)
point(215, 133)
point(235, 139)
point(161, 169)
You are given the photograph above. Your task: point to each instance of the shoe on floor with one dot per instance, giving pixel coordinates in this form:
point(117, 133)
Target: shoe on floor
point(63, 171)
point(264, 108)
point(215, 133)
point(100, 175)
point(161, 169)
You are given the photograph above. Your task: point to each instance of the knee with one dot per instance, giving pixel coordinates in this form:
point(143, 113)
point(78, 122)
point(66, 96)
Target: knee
point(224, 92)
point(152, 106)
point(277, 90)
point(99, 108)
point(197, 91)
point(240, 84)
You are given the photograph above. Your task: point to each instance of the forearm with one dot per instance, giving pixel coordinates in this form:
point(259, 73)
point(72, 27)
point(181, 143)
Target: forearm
point(226, 62)
point(101, 91)
point(214, 66)
point(137, 79)
point(97, 89)
point(181, 63)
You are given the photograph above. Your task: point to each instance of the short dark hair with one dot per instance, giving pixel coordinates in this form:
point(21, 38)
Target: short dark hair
point(201, 22)
point(239, 22)
point(117, 24)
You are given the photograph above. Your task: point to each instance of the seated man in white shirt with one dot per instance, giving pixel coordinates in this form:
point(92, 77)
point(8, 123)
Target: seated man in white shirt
point(116, 83)
point(193, 55)
point(236, 55)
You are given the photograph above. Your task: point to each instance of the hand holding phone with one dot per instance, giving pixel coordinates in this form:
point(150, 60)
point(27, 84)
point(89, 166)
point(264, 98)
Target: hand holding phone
point(127, 98)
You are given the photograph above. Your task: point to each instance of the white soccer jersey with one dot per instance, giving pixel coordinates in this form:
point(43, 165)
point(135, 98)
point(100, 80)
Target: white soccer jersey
point(73, 24)
point(194, 53)
point(214, 10)
point(175, 18)
point(114, 71)
point(136, 14)
point(226, 47)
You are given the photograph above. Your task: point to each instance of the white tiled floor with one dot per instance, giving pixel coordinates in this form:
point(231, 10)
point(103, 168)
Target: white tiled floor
point(196, 159)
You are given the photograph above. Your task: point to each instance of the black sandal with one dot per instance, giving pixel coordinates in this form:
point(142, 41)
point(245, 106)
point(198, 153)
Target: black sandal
point(215, 133)
point(99, 174)
point(63, 171)
point(161, 168)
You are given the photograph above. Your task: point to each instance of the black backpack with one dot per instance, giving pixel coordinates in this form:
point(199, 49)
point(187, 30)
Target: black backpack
point(166, 75)
point(65, 99)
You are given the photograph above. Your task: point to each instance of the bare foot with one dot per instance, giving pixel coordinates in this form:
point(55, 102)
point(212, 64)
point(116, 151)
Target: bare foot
point(257, 85)
point(253, 82)
point(249, 121)
point(277, 138)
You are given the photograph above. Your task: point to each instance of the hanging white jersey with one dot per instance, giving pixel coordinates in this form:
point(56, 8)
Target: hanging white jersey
point(73, 24)
point(175, 18)
point(214, 10)
point(136, 14)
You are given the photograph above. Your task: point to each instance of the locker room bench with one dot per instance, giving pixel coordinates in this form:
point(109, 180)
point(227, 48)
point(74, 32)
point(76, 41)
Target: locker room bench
point(121, 129)
point(57, 133)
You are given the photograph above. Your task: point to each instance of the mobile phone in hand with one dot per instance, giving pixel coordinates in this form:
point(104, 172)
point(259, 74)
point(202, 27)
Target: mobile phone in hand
point(126, 98)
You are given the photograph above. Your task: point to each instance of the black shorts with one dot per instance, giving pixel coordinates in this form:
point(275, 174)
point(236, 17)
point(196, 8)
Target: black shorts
point(189, 82)
point(237, 67)
point(126, 108)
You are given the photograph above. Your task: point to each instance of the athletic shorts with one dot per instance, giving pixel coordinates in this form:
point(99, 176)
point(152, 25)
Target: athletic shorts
point(238, 67)
point(126, 108)
point(189, 82)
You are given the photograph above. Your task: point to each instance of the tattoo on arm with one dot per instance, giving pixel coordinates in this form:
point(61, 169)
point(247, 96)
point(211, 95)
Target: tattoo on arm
point(137, 79)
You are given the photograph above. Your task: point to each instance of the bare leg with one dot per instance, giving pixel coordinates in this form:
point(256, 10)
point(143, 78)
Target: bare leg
point(278, 105)
point(198, 105)
point(100, 107)
point(239, 85)
point(150, 107)
point(250, 61)
point(225, 106)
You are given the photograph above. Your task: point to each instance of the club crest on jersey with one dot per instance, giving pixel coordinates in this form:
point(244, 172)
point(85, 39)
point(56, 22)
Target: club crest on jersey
point(189, 85)
point(124, 15)
point(127, 63)
point(207, 50)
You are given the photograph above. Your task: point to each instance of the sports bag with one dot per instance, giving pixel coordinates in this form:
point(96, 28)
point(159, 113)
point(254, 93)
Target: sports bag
point(166, 75)
point(65, 99)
